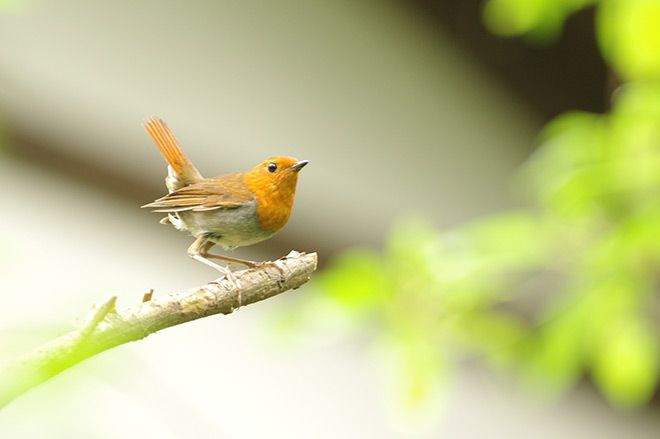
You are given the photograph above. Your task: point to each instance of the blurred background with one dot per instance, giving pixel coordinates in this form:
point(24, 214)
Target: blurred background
point(483, 195)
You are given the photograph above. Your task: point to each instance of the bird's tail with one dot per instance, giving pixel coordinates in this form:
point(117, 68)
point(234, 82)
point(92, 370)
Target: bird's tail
point(180, 164)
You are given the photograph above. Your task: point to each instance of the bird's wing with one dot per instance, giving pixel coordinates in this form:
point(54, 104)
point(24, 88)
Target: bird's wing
point(227, 192)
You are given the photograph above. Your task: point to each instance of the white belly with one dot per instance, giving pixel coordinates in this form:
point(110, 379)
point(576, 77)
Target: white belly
point(226, 227)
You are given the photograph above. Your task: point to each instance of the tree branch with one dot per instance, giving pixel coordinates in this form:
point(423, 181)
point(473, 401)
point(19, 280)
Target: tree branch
point(107, 327)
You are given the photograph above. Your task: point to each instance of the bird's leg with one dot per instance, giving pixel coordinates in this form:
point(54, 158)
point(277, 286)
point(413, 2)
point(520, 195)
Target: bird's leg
point(249, 264)
point(199, 252)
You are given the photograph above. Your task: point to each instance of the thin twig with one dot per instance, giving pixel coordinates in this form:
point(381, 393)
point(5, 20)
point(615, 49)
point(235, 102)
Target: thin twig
point(105, 329)
point(95, 317)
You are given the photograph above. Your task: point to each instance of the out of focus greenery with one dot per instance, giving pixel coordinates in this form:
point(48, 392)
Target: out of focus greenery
point(563, 291)
point(538, 20)
point(9, 5)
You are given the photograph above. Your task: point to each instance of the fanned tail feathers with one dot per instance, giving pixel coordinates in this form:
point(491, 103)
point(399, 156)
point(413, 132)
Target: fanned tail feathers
point(185, 172)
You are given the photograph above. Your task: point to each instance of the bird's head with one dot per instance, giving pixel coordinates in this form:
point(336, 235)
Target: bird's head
point(273, 182)
point(275, 174)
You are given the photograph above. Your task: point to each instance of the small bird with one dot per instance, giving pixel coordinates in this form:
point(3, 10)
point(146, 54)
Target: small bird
point(233, 210)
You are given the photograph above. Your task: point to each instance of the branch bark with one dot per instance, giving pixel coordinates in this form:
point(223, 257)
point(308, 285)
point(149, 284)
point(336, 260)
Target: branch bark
point(107, 327)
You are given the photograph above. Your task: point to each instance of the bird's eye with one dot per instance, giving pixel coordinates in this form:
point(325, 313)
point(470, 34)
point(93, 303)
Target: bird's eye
point(272, 167)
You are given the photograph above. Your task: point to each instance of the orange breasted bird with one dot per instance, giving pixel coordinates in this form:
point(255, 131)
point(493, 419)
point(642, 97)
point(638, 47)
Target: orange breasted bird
point(233, 210)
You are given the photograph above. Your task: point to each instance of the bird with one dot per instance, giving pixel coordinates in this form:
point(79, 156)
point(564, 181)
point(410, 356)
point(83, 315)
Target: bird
point(233, 210)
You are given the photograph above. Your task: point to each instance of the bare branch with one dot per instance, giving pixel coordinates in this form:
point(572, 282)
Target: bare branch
point(107, 327)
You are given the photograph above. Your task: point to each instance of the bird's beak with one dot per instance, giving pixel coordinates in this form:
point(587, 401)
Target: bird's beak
point(298, 166)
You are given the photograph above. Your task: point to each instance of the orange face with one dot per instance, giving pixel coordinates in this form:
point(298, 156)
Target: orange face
point(273, 182)
point(279, 169)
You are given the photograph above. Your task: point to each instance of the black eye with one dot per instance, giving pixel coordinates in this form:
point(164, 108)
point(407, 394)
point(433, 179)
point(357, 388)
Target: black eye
point(272, 167)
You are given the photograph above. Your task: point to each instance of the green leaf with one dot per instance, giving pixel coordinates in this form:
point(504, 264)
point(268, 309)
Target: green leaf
point(500, 337)
point(557, 353)
point(571, 169)
point(356, 280)
point(475, 262)
point(629, 37)
point(540, 20)
point(626, 363)
point(509, 241)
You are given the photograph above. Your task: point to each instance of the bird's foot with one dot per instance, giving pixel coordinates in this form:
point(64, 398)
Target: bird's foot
point(255, 264)
point(224, 270)
point(230, 277)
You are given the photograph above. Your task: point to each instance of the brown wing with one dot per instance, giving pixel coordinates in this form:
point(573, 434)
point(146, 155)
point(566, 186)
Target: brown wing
point(226, 192)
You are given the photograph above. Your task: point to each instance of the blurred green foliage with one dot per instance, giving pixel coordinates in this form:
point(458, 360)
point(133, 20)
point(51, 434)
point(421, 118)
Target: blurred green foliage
point(565, 290)
point(538, 20)
point(11, 5)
